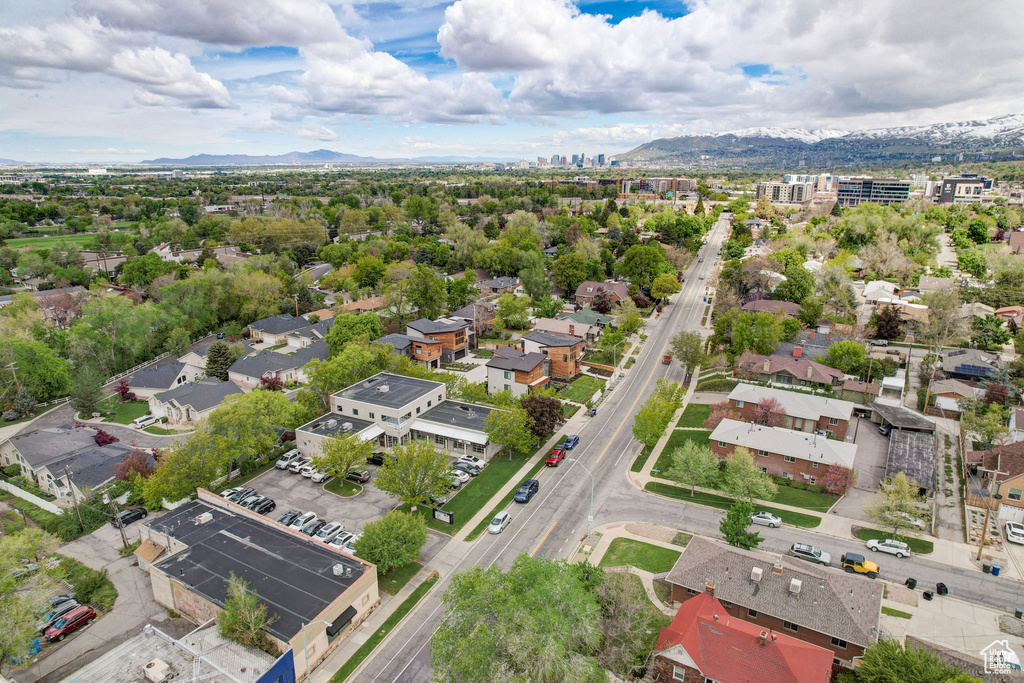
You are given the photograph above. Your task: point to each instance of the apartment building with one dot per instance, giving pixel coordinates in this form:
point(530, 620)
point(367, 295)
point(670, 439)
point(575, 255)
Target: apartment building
point(786, 192)
point(804, 412)
point(854, 191)
point(781, 452)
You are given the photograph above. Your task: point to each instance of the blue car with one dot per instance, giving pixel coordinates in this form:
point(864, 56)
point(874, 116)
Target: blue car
point(526, 490)
point(570, 442)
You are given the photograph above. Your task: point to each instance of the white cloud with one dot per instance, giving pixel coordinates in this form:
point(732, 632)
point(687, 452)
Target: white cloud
point(314, 131)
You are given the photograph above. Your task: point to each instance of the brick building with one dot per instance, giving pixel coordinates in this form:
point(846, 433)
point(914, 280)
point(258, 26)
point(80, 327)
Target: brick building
point(786, 370)
point(804, 412)
point(586, 292)
point(453, 333)
point(818, 605)
point(800, 456)
point(563, 352)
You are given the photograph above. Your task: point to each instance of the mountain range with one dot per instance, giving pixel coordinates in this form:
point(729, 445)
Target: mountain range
point(997, 138)
point(317, 156)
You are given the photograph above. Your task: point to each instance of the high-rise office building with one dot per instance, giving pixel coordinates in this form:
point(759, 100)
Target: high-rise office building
point(854, 191)
point(600, 160)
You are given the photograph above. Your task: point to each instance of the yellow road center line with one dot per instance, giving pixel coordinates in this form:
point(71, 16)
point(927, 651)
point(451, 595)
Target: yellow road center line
point(543, 538)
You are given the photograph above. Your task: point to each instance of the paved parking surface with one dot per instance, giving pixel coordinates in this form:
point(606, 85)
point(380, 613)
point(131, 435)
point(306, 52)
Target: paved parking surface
point(872, 450)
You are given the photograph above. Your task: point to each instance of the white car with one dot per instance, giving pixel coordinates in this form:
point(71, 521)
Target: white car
point(766, 519)
point(350, 544)
point(319, 476)
point(340, 540)
point(458, 478)
point(302, 520)
point(328, 532)
point(498, 524)
point(307, 471)
point(1015, 532)
point(913, 521)
point(473, 460)
point(889, 545)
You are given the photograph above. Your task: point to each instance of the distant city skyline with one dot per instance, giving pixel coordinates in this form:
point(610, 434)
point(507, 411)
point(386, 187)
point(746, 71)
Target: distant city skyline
point(127, 80)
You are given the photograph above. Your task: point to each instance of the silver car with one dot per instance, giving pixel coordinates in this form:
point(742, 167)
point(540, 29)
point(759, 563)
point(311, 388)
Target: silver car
point(766, 519)
point(498, 524)
point(889, 545)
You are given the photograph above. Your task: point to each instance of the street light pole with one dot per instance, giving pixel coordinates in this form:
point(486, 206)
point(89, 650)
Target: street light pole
point(305, 650)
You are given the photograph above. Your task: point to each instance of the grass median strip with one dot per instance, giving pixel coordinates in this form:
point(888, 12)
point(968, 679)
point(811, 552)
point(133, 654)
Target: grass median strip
point(502, 505)
point(388, 626)
point(723, 503)
point(652, 558)
point(896, 613)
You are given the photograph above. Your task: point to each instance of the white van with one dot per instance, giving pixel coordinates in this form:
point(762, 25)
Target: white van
point(145, 421)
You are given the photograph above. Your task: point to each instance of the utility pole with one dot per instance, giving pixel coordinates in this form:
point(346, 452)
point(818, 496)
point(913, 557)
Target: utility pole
point(120, 525)
point(988, 512)
point(74, 498)
point(296, 297)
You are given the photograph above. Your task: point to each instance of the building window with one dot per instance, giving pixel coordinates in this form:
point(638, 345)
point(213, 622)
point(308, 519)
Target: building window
point(1014, 494)
point(721, 444)
point(814, 465)
point(690, 591)
point(839, 642)
point(417, 411)
point(678, 673)
point(739, 404)
point(763, 469)
point(813, 481)
point(419, 352)
point(833, 421)
point(565, 357)
point(726, 603)
point(355, 412)
point(508, 387)
point(763, 454)
point(752, 613)
point(428, 404)
point(789, 458)
point(439, 440)
point(787, 475)
point(372, 417)
point(479, 448)
point(789, 626)
point(508, 375)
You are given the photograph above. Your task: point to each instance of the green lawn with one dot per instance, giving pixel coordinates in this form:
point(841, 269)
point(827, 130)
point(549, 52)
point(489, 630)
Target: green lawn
point(694, 415)
point(47, 242)
point(896, 613)
point(677, 439)
point(343, 487)
point(651, 558)
point(389, 624)
point(160, 431)
point(393, 582)
point(583, 388)
point(124, 413)
point(917, 545)
point(809, 500)
point(723, 503)
point(639, 460)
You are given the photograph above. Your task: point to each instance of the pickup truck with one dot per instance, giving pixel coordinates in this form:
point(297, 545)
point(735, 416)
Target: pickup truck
point(666, 359)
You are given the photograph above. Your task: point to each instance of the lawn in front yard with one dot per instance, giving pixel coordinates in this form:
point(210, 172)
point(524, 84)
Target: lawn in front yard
point(723, 503)
point(651, 558)
point(917, 545)
point(677, 439)
point(124, 413)
point(583, 388)
point(393, 582)
point(694, 415)
point(160, 431)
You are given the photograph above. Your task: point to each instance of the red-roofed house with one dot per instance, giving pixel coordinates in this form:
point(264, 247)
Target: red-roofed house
point(705, 643)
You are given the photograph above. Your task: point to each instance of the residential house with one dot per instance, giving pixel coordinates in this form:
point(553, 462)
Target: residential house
point(1016, 425)
point(563, 352)
point(705, 642)
point(803, 412)
point(501, 285)
point(808, 344)
point(164, 376)
point(1012, 313)
point(787, 308)
point(587, 316)
point(225, 255)
point(479, 315)
point(879, 289)
point(1000, 470)
point(196, 355)
point(586, 292)
point(969, 364)
point(928, 283)
point(781, 452)
point(948, 392)
point(193, 401)
point(105, 262)
point(426, 351)
point(975, 309)
point(76, 291)
point(858, 392)
point(453, 333)
point(249, 371)
point(65, 463)
point(1015, 240)
point(272, 330)
point(786, 370)
point(568, 328)
point(515, 371)
point(304, 337)
point(318, 594)
point(372, 303)
point(818, 605)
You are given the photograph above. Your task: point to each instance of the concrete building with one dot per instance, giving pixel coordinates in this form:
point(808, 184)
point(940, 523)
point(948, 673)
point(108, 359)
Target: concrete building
point(854, 191)
point(780, 452)
point(969, 189)
point(786, 192)
point(319, 594)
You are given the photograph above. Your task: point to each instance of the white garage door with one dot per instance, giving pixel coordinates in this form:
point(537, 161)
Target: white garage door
point(1008, 513)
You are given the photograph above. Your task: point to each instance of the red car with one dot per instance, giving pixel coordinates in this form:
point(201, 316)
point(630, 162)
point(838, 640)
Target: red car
point(556, 457)
point(72, 621)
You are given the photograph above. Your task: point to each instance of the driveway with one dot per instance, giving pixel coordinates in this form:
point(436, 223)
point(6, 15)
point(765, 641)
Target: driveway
point(872, 451)
point(64, 416)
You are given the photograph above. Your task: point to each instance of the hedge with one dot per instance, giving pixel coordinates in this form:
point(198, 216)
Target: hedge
point(717, 385)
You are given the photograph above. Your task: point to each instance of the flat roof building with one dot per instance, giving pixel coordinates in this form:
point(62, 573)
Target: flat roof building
point(854, 191)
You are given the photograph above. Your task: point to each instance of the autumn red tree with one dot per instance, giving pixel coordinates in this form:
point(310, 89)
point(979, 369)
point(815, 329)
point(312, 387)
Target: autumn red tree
point(769, 412)
point(719, 412)
point(133, 461)
point(602, 302)
point(838, 479)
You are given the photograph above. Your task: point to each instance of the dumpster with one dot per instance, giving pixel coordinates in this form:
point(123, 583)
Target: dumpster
point(986, 567)
point(941, 589)
point(996, 569)
point(910, 583)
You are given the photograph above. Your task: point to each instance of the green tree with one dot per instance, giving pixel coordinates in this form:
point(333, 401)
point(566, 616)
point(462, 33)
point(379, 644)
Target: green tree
point(988, 331)
point(744, 479)
point(460, 292)
point(890, 661)
point(533, 273)
point(87, 389)
point(246, 423)
point(356, 361)
point(142, 270)
point(693, 465)
point(41, 371)
point(348, 327)
point(341, 453)
point(759, 332)
point(836, 210)
point(393, 541)
point(569, 271)
point(642, 263)
point(24, 403)
point(513, 312)
point(218, 359)
point(688, 349)
point(847, 356)
point(244, 618)
point(811, 310)
point(972, 262)
point(191, 463)
point(650, 421)
point(977, 231)
point(547, 307)
point(798, 285)
point(427, 292)
point(896, 504)
point(415, 472)
point(985, 422)
point(22, 598)
point(734, 526)
point(664, 286)
point(511, 429)
point(628, 319)
point(505, 625)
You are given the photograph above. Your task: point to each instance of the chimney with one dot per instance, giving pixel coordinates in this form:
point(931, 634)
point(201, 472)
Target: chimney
point(813, 332)
point(572, 330)
point(777, 569)
point(767, 364)
point(810, 371)
point(762, 638)
point(709, 587)
point(797, 352)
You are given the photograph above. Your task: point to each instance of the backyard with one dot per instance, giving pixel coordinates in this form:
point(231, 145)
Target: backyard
point(583, 389)
point(122, 413)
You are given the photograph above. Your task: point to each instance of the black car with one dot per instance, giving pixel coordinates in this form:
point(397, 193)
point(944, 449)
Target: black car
point(527, 490)
point(289, 517)
point(128, 516)
point(376, 459)
point(471, 470)
point(265, 507)
point(314, 526)
point(240, 494)
point(358, 476)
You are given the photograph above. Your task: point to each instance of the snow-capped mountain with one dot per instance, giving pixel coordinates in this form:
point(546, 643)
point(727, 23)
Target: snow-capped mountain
point(1009, 126)
point(808, 136)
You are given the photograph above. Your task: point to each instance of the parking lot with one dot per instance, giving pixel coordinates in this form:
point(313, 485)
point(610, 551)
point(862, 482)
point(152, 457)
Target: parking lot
point(872, 451)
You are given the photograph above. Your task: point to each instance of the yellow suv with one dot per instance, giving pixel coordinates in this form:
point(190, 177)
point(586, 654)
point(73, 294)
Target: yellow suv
point(856, 564)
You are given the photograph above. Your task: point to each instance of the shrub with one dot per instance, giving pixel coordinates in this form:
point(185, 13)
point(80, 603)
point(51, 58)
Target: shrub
point(103, 438)
point(10, 415)
point(12, 470)
point(641, 301)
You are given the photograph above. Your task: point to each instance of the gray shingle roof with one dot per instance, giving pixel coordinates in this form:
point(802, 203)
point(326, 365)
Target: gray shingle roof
point(93, 465)
point(516, 360)
point(279, 324)
point(317, 350)
point(829, 601)
point(160, 376)
point(552, 339)
point(426, 326)
point(41, 446)
point(900, 417)
point(202, 395)
point(402, 341)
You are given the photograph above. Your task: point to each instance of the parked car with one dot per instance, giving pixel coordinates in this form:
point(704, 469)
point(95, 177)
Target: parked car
point(240, 493)
point(314, 526)
point(307, 471)
point(766, 519)
point(1015, 532)
point(854, 563)
point(527, 490)
point(229, 492)
point(458, 478)
point(571, 442)
point(376, 459)
point(889, 545)
point(810, 553)
point(329, 531)
point(265, 507)
point(438, 500)
point(358, 476)
point(340, 540)
point(55, 613)
point(287, 459)
point(24, 569)
point(59, 600)
point(500, 521)
point(350, 544)
point(471, 470)
point(289, 517)
point(879, 342)
point(145, 421)
point(130, 515)
point(248, 500)
point(473, 460)
point(252, 502)
point(555, 457)
point(296, 465)
point(885, 429)
point(319, 476)
point(82, 615)
point(302, 520)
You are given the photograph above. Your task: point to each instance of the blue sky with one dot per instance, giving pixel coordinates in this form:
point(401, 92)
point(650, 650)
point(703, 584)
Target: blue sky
point(126, 80)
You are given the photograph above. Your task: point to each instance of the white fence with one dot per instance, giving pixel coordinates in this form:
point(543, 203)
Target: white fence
point(35, 500)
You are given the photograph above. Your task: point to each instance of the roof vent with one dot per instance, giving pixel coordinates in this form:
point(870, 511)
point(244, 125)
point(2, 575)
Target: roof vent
point(331, 424)
point(157, 671)
point(755, 574)
point(346, 426)
point(338, 569)
point(777, 569)
point(795, 585)
point(383, 389)
point(204, 518)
